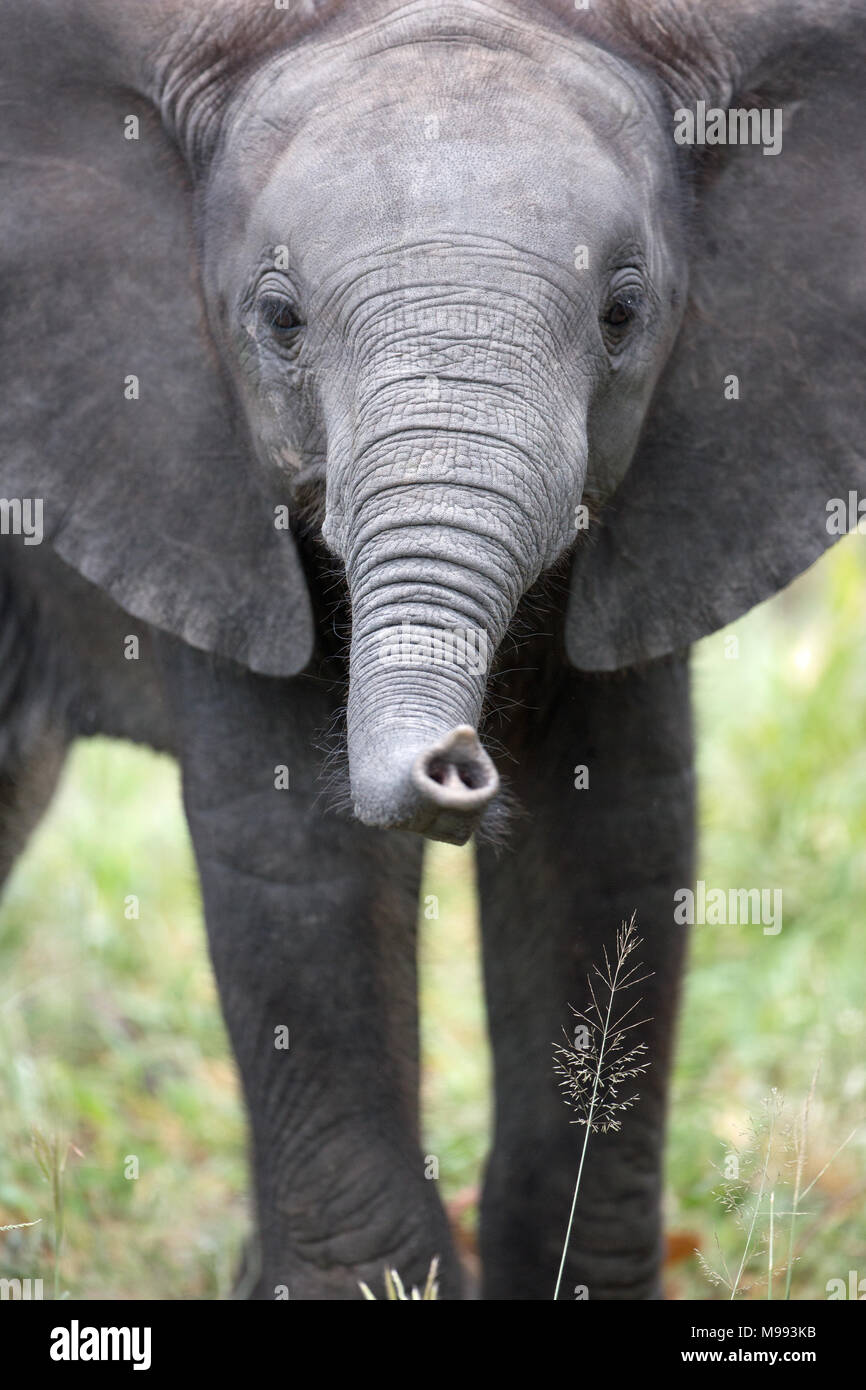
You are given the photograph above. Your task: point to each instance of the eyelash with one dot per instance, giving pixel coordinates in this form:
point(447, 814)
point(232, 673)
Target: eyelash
point(272, 306)
point(628, 295)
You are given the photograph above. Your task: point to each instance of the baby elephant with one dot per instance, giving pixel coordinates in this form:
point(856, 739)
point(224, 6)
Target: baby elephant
point(379, 366)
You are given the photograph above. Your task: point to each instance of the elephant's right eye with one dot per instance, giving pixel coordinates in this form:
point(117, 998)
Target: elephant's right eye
point(622, 309)
point(620, 314)
point(280, 317)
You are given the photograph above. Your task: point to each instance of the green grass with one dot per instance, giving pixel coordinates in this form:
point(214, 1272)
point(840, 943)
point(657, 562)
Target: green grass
point(782, 760)
point(111, 1040)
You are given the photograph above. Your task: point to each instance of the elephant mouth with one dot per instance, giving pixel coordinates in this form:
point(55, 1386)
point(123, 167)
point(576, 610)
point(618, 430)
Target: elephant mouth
point(441, 792)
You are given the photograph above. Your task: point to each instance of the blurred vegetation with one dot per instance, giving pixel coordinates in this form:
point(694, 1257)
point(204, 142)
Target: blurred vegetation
point(112, 1049)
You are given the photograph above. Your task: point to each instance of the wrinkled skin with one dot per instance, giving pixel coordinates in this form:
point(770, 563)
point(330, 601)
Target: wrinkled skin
point(436, 303)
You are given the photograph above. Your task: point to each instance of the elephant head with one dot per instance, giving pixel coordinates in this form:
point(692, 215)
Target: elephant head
point(449, 264)
point(403, 284)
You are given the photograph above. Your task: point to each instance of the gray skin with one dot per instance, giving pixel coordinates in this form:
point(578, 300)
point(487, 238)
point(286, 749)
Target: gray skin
point(340, 258)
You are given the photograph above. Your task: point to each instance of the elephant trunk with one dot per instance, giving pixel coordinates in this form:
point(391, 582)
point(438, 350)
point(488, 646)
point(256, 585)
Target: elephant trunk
point(440, 552)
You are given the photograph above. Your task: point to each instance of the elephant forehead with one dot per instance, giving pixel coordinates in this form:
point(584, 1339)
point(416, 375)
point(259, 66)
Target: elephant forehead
point(516, 179)
point(409, 144)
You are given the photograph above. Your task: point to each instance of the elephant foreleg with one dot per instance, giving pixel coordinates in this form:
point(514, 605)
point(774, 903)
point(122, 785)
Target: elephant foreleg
point(311, 924)
point(581, 863)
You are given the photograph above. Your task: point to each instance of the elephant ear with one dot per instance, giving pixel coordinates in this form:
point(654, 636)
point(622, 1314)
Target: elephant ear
point(728, 496)
point(114, 409)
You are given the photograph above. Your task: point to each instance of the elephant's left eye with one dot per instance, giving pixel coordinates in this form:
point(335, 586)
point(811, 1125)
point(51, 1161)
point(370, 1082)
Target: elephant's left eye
point(281, 318)
point(620, 313)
